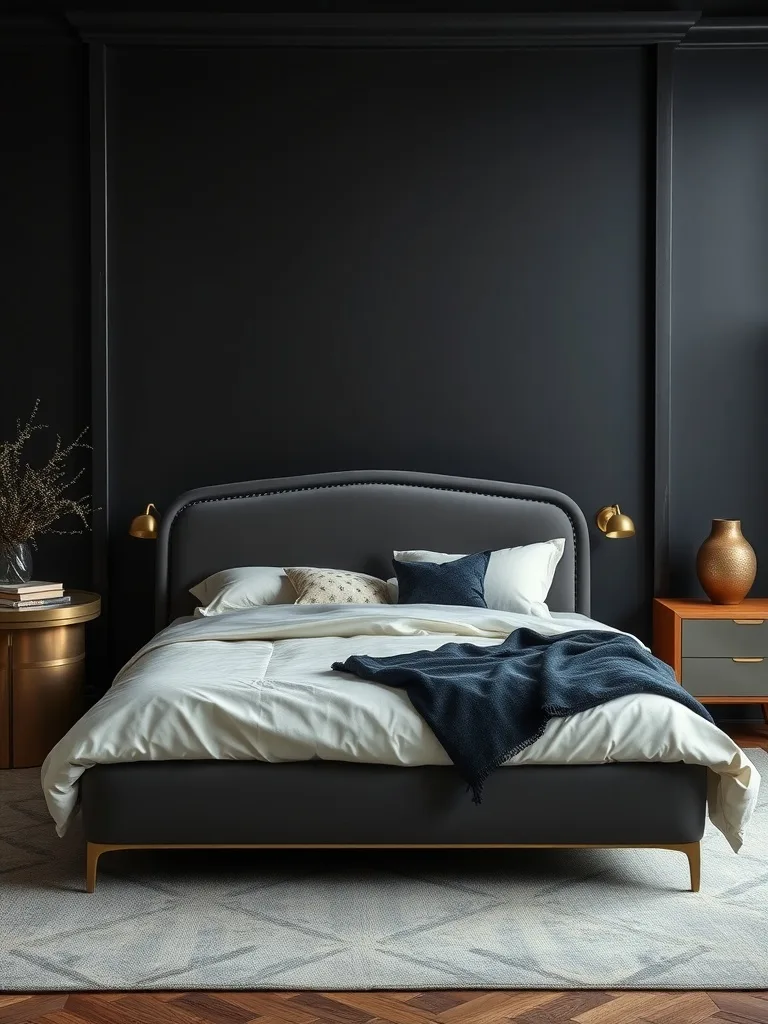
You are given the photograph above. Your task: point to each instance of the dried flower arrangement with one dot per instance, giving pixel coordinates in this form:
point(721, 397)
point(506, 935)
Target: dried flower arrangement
point(32, 500)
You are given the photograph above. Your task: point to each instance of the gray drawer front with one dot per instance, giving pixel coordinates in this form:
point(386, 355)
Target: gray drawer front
point(721, 677)
point(724, 638)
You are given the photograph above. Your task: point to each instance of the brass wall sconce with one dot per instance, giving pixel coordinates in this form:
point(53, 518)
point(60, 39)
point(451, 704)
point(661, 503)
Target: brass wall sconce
point(145, 525)
point(613, 523)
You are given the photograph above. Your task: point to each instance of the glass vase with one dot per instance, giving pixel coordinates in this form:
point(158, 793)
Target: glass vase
point(15, 563)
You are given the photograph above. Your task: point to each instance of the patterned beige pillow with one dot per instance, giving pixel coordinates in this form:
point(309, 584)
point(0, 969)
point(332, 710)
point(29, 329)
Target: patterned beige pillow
point(336, 586)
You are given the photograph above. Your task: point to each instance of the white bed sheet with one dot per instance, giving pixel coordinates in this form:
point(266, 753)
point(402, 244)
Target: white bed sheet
point(257, 684)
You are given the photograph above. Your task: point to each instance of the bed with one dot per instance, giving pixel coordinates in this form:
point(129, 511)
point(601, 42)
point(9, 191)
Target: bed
point(143, 797)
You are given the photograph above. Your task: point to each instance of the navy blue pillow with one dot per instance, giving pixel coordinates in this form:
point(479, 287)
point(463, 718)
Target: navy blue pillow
point(459, 582)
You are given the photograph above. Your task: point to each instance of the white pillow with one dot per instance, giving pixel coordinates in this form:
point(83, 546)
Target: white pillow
point(516, 580)
point(247, 587)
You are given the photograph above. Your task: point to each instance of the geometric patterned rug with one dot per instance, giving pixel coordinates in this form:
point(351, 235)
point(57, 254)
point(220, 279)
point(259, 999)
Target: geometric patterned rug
point(350, 920)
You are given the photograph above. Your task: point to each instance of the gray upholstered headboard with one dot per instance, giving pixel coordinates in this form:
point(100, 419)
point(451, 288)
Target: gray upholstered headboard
point(353, 520)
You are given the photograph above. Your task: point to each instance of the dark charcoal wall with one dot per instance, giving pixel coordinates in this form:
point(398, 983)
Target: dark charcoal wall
point(720, 306)
point(45, 299)
point(417, 260)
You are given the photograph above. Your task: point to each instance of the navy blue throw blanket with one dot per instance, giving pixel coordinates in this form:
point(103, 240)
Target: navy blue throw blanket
point(485, 704)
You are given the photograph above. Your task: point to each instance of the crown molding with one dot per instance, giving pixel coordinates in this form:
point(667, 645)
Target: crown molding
point(26, 30)
point(434, 31)
point(727, 33)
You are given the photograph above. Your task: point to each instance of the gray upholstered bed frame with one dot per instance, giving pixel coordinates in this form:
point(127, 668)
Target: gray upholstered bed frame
point(354, 520)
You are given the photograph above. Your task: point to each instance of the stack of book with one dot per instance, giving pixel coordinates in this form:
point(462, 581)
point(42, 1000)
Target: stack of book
point(35, 594)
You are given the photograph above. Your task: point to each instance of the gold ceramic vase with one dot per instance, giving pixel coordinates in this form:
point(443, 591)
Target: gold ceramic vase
point(726, 563)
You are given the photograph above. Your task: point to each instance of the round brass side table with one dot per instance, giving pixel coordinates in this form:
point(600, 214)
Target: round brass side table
point(42, 662)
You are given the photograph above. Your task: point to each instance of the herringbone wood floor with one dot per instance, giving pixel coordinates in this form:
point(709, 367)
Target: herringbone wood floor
point(395, 1007)
point(584, 1007)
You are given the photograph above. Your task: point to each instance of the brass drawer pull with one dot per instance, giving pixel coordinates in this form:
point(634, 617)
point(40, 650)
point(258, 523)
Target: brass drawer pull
point(747, 661)
point(749, 622)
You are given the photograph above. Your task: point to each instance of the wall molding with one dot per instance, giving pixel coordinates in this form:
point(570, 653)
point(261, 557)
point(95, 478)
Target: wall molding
point(727, 33)
point(662, 301)
point(97, 106)
point(465, 31)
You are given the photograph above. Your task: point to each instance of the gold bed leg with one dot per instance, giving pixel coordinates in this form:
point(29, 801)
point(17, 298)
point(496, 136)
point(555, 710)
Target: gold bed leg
point(92, 853)
point(693, 853)
point(95, 850)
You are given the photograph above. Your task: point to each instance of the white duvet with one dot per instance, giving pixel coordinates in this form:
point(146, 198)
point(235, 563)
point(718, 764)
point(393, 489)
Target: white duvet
point(257, 685)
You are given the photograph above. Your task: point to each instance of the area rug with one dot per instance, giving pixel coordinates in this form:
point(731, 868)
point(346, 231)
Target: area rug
point(526, 919)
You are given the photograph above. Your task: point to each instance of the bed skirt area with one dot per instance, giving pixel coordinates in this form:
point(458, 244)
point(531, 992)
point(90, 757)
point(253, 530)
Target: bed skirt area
point(328, 802)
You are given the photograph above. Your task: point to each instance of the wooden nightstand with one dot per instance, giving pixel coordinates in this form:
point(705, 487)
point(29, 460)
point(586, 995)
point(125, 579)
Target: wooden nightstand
point(719, 651)
point(42, 658)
